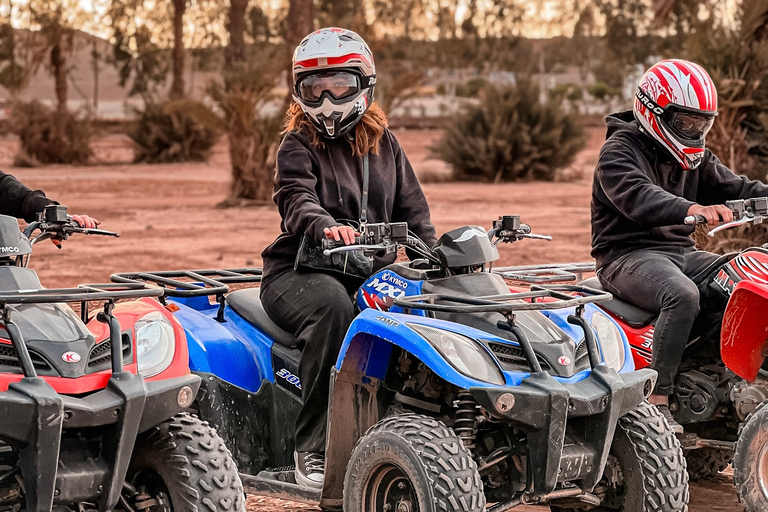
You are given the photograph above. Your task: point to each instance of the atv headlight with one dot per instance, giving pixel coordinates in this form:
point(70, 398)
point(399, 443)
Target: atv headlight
point(464, 354)
point(155, 343)
point(611, 343)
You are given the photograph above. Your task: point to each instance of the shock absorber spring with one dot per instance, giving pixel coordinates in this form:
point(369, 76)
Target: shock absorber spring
point(465, 424)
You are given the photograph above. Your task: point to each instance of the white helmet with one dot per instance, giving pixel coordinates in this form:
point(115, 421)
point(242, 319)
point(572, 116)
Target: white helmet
point(334, 76)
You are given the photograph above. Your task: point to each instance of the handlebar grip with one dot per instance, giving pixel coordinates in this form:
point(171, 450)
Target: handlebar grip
point(694, 220)
point(329, 243)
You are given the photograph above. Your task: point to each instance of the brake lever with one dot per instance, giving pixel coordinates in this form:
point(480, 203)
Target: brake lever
point(741, 222)
point(538, 237)
point(358, 247)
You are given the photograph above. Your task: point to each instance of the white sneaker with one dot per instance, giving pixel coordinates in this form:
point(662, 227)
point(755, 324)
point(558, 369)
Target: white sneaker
point(310, 469)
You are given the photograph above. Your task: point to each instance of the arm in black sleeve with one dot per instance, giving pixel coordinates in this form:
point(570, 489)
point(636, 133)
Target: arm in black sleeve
point(632, 193)
point(19, 201)
point(410, 205)
point(718, 184)
point(295, 193)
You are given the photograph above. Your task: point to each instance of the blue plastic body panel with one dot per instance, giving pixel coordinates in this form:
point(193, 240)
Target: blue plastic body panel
point(384, 286)
point(234, 351)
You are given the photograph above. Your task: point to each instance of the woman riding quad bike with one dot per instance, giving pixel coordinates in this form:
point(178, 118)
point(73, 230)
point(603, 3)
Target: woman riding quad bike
point(337, 161)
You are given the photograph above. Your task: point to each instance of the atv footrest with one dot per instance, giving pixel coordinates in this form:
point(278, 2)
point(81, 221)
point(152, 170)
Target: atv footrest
point(281, 485)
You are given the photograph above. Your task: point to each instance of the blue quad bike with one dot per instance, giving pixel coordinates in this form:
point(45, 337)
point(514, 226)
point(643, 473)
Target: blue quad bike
point(450, 392)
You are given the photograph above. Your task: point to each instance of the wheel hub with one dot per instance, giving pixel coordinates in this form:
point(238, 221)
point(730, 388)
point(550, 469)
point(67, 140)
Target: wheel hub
point(390, 490)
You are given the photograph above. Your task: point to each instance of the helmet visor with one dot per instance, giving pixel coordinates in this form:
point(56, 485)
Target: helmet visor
point(337, 84)
point(691, 126)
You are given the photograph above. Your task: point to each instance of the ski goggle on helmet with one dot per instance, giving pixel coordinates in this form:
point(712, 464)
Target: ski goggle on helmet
point(676, 104)
point(334, 76)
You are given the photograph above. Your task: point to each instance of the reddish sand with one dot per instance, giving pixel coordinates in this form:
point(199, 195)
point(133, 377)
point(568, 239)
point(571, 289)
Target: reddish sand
point(167, 220)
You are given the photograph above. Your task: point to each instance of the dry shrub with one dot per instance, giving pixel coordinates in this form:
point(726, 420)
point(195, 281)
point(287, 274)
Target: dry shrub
point(49, 136)
point(511, 135)
point(731, 240)
point(165, 135)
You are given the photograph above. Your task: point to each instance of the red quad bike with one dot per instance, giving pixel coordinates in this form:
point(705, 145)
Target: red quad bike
point(720, 395)
point(92, 406)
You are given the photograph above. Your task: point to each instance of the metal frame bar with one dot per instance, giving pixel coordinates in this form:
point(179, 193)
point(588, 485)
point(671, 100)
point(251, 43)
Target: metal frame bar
point(507, 303)
point(176, 283)
point(554, 273)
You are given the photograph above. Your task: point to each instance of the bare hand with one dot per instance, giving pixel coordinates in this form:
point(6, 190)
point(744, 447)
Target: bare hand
point(85, 221)
point(713, 213)
point(339, 233)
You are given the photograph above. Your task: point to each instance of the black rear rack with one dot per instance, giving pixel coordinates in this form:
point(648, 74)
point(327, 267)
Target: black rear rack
point(540, 274)
point(192, 283)
point(564, 296)
point(85, 293)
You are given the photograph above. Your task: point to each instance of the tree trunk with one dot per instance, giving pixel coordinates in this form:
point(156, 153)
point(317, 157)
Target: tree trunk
point(59, 67)
point(235, 53)
point(252, 180)
point(300, 22)
point(177, 88)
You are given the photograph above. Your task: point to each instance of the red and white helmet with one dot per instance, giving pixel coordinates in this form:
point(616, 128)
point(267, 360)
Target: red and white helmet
point(676, 103)
point(334, 76)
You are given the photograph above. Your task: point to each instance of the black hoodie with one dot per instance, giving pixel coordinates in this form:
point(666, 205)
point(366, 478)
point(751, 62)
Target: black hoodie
point(640, 195)
point(19, 201)
point(315, 187)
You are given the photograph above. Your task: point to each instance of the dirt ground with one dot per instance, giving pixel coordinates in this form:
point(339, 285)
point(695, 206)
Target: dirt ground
point(167, 219)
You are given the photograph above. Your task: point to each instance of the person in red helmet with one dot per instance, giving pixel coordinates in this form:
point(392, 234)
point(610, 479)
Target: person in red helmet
point(338, 167)
point(653, 171)
point(19, 201)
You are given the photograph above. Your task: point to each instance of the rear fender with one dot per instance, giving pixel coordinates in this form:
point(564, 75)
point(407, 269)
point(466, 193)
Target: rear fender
point(368, 345)
point(234, 351)
point(744, 339)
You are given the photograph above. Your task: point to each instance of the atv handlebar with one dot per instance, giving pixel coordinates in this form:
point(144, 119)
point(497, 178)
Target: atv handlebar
point(55, 223)
point(745, 211)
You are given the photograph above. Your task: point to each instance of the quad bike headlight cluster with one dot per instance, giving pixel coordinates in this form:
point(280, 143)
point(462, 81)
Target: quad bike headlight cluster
point(463, 353)
point(155, 343)
point(611, 343)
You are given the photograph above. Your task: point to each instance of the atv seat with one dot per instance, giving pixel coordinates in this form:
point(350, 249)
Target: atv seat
point(634, 316)
point(247, 304)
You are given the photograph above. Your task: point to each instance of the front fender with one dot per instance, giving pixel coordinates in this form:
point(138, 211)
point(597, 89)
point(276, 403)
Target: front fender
point(744, 339)
point(369, 341)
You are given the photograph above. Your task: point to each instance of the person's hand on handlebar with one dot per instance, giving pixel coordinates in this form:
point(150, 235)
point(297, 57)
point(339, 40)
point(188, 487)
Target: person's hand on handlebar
point(713, 213)
point(84, 221)
point(340, 233)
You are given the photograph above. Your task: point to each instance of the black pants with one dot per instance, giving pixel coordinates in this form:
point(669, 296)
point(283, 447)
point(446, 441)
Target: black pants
point(317, 309)
point(667, 281)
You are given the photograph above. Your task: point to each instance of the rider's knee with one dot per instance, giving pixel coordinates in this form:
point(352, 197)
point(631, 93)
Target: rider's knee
point(686, 298)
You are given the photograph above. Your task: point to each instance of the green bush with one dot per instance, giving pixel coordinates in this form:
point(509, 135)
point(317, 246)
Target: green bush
point(164, 135)
point(472, 88)
point(603, 91)
point(510, 136)
point(568, 91)
point(48, 136)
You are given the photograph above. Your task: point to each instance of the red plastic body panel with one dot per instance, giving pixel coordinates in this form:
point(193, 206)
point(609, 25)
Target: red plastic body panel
point(127, 313)
point(640, 341)
point(744, 339)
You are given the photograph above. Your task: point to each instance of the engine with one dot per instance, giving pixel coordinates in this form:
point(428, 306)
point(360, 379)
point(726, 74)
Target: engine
point(702, 394)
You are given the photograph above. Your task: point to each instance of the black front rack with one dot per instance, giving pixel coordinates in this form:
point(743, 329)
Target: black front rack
point(564, 296)
point(192, 283)
point(545, 297)
point(540, 274)
point(84, 294)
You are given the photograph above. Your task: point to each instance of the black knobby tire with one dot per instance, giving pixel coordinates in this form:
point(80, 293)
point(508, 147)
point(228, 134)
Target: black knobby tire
point(422, 458)
point(750, 461)
point(193, 465)
point(651, 463)
point(707, 462)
